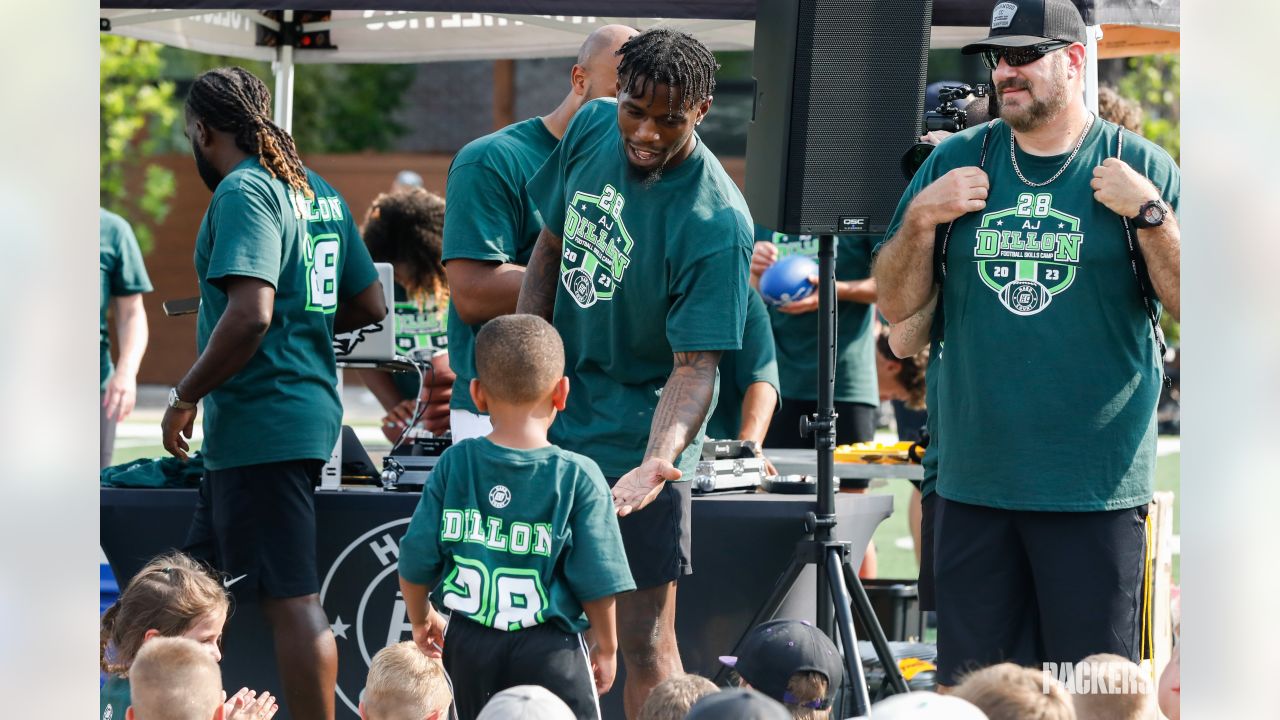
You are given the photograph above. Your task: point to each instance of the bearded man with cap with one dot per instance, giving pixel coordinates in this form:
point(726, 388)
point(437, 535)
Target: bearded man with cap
point(792, 662)
point(1056, 247)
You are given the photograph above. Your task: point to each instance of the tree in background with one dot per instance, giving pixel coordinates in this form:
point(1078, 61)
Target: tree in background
point(1154, 81)
point(138, 115)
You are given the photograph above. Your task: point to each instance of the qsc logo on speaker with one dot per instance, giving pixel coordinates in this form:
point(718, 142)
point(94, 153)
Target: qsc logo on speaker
point(361, 598)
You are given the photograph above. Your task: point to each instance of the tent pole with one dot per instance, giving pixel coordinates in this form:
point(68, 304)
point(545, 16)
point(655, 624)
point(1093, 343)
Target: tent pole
point(1092, 34)
point(283, 69)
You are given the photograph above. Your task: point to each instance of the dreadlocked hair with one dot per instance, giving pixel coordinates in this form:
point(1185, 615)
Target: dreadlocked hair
point(170, 594)
point(234, 100)
point(662, 56)
point(405, 228)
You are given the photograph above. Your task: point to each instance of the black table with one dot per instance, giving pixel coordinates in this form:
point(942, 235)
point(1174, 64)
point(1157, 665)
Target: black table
point(741, 544)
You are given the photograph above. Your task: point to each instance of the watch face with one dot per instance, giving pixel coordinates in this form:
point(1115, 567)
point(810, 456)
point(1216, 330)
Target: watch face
point(1152, 214)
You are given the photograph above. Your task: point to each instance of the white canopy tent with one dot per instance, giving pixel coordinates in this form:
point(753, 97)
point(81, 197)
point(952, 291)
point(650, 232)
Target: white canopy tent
point(427, 31)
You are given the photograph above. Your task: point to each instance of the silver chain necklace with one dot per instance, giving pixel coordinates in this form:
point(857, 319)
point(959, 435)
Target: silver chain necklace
point(1013, 155)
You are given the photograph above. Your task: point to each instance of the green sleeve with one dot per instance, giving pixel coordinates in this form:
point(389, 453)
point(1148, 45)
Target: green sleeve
point(249, 229)
point(757, 361)
point(709, 301)
point(421, 557)
point(358, 271)
point(595, 565)
point(481, 214)
point(129, 276)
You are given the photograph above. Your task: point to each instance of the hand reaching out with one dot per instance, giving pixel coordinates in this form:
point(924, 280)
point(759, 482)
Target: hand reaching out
point(640, 486)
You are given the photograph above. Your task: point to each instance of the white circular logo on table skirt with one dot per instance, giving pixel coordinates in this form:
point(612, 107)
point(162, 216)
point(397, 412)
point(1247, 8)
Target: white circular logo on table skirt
point(500, 496)
point(361, 598)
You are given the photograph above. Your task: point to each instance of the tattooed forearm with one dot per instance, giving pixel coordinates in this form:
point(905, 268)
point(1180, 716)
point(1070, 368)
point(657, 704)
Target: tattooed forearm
point(684, 404)
point(538, 291)
point(912, 335)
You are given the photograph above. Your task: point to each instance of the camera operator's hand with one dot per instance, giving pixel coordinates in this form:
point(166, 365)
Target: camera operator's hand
point(934, 137)
point(959, 192)
point(764, 255)
point(1121, 188)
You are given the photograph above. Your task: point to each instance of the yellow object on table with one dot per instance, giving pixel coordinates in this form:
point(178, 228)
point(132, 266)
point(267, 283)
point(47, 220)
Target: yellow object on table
point(880, 453)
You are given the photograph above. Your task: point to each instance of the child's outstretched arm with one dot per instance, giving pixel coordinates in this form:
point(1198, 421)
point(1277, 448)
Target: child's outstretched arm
point(604, 636)
point(428, 625)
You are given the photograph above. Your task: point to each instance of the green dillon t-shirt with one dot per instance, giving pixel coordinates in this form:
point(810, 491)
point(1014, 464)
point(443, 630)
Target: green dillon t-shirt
point(114, 697)
point(644, 272)
point(739, 369)
point(489, 216)
point(283, 404)
point(122, 273)
point(421, 327)
point(515, 538)
point(1048, 392)
point(797, 335)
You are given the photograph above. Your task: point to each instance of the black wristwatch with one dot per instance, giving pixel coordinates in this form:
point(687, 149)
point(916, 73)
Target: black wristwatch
point(1150, 215)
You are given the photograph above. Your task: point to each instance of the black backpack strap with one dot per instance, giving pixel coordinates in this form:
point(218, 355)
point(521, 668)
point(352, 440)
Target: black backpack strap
point(1140, 274)
point(942, 236)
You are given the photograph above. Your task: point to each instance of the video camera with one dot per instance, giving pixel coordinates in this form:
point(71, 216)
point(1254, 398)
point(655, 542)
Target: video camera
point(947, 116)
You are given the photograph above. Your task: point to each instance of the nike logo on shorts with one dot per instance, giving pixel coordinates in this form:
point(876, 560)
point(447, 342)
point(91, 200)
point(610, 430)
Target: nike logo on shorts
point(233, 581)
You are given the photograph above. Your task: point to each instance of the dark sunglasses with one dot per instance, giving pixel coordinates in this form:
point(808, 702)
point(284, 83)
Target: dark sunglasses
point(1017, 57)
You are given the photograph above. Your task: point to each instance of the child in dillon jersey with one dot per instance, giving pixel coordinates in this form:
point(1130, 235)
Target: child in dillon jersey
point(518, 539)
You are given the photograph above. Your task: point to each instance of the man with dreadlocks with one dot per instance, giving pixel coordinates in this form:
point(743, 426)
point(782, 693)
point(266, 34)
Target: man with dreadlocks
point(491, 224)
point(642, 266)
point(281, 268)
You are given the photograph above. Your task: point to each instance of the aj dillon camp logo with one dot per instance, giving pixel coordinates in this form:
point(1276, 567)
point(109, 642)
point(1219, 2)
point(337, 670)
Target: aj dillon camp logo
point(1028, 254)
point(597, 246)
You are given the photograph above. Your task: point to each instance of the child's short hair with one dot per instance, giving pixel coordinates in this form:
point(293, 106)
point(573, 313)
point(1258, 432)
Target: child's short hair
point(173, 678)
point(807, 688)
point(1120, 690)
point(518, 358)
point(169, 594)
point(671, 699)
point(1009, 692)
point(404, 684)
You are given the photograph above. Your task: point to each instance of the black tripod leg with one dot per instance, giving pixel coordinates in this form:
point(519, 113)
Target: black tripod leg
point(848, 637)
point(862, 606)
point(770, 607)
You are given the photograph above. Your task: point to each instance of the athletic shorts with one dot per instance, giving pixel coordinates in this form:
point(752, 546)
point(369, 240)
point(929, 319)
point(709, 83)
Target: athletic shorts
point(482, 662)
point(257, 525)
point(928, 525)
point(1032, 587)
point(658, 538)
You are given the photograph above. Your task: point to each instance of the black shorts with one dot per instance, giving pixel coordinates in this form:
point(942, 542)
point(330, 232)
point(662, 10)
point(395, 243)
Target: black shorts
point(1032, 587)
point(482, 662)
point(257, 525)
point(928, 525)
point(855, 423)
point(658, 539)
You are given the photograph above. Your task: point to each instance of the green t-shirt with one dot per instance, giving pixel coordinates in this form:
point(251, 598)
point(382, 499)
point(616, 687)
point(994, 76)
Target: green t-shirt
point(420, 328)
point(739, 369)
point(797, 335)
point(515, 538)
point(489, 216)
point(122, 273)
point(114, 697)
point(644, 272)
point(1047, 397)
point(283, 404)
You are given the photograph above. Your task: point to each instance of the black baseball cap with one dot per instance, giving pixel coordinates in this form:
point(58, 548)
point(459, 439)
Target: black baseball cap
point(1019, 23)
point(737, 704)
point(776, 650)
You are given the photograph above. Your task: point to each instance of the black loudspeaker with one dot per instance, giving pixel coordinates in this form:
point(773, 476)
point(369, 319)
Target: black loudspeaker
point(839, 95)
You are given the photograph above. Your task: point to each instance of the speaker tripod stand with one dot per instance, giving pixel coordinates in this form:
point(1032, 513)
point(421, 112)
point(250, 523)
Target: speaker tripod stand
point(840, 594)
